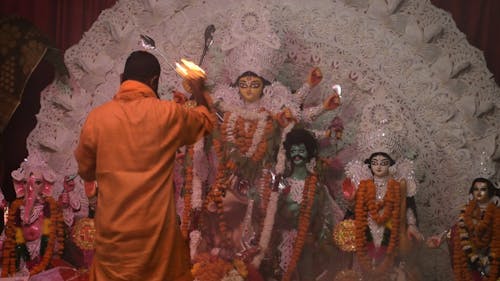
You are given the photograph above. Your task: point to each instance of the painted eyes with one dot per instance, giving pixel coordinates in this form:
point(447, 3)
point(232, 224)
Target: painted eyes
point(253, 85)
point(297, 151)
point(381, 163)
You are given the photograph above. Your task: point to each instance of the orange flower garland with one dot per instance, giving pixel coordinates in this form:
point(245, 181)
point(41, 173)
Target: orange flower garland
point(243, 140)
point(212, 268)
point(55, 242)
point(460, 268)
point(366, 204)
point(262, 146)
point(303, 225)
point(473, 236)
point(217, 190)
point(243, 132)
point(481, 230)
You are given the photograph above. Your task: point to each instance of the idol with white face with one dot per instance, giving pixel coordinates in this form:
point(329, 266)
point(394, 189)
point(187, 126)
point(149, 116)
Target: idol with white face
point(480, 192)
point(250, 88)
point(379, 165)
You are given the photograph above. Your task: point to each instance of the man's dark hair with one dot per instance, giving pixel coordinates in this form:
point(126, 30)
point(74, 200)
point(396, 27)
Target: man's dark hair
point(491, 188)
point(141, 66)
point(301, 136)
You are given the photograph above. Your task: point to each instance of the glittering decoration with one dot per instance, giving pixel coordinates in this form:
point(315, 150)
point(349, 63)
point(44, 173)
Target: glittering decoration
point(252, 44)
point(348, 275)
point(84, 234)
point(249, 22)
point(343, 236)
point(446, 121)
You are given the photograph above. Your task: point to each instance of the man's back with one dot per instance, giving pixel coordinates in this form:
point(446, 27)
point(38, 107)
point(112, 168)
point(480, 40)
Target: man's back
point(129, 145)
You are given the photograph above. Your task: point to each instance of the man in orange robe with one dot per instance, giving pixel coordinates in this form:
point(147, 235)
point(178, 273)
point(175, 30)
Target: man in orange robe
point(128, 145)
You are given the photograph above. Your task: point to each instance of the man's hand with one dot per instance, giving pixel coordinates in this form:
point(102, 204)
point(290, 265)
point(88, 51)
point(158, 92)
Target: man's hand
point(315, 76)
point(193, 85)
point(196, 86)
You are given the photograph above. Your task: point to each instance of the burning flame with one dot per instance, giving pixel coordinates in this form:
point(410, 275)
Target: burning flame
point(189, 70)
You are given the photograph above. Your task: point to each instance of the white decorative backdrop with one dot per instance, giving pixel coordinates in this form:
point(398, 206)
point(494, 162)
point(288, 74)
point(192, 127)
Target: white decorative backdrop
point(405, 51)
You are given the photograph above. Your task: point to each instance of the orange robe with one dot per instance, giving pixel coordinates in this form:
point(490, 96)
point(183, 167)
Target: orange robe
point(128, 145)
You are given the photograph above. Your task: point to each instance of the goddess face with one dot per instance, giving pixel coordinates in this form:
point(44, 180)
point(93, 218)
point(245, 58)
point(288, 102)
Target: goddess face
point(299, 154)
point(380, 166)
point(480, 192)
point(251, 88)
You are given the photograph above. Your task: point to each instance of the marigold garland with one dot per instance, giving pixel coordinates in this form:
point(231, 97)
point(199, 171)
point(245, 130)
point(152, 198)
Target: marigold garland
point(303, 225)
point(212, 268)
point(481, 229)
point(476, 231)
point(248, 135)
point(55, 234)
point(217, 190)
point(366, 204)
point(460, 267)
point(241, 132)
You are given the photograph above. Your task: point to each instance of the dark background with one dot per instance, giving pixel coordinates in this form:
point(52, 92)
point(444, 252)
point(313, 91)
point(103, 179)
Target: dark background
point(65, 21)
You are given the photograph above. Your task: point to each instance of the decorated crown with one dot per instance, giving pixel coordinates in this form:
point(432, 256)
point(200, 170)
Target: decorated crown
point(380, 129)
point(34, 163)
point(251, 45)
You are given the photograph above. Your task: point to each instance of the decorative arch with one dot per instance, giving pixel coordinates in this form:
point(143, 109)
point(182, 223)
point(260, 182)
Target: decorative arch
point(407, 51)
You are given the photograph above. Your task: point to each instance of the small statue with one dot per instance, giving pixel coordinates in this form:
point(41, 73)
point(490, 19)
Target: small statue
point(385, 218)
point(474, 240)
point(34, 232)
point(69, 200)
point(306, 215)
